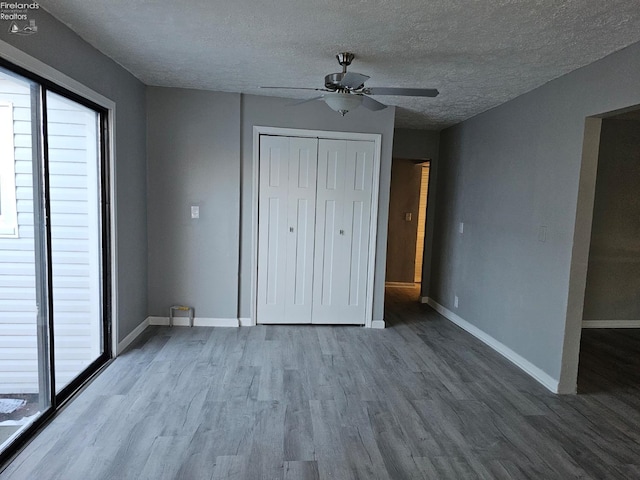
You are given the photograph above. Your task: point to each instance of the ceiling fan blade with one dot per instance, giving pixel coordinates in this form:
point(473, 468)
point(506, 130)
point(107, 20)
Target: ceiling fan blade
point(300, 88)
point(407, 92)
point(353, 80)
point(305, 101)
point(371, 104)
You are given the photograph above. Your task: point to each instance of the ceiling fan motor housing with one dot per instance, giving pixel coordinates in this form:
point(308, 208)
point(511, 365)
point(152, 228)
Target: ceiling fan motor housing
point(333, 82)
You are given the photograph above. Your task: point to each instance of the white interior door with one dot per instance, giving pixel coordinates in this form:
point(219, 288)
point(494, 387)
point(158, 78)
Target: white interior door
point(303, 160)
point(286, 213)
point(330, 238)
point(343, 216)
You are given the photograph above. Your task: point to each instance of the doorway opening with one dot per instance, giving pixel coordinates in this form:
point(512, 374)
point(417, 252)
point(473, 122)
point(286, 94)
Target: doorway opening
point(609, 344)
point(407, 223)
point(422, 219)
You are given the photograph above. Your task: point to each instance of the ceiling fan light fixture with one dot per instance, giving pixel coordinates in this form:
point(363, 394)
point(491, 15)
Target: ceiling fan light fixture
point(342, 102)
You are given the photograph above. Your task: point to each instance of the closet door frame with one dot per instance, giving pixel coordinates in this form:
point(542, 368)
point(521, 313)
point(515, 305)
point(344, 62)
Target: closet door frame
point(376, 138)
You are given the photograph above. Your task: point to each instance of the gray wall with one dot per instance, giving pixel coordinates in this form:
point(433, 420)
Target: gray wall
point(194, 159)
point(416, 144)
point(613, 275)
point(201, 153)
point(276, 112)
point(506, 173)
point(405, 198)
point(62, 49)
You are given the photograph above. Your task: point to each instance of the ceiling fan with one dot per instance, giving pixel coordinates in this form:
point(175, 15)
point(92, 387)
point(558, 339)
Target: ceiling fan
point(346, 90)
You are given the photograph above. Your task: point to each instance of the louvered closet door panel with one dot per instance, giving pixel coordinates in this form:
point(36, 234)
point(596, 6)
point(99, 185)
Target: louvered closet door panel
point(272, 228)
point(303, 159)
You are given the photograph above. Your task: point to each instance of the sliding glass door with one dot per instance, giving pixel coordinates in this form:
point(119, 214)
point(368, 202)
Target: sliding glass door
point(53, 250)
point(74, 198)
point(24, 372)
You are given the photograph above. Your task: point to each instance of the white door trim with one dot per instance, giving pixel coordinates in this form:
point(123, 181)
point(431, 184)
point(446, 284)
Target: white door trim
point(373, 230)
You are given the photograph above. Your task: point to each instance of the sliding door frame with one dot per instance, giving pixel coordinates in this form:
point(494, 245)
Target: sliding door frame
point(29, 67)
point(376, 138)
point(51, 80)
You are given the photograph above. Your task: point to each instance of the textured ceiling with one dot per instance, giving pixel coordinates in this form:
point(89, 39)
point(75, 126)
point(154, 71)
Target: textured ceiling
point(478, 53)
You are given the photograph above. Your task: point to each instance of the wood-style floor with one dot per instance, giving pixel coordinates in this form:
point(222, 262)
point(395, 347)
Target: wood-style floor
point(420, 399)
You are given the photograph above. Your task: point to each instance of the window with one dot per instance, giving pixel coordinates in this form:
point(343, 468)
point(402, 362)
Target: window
point(8, 212)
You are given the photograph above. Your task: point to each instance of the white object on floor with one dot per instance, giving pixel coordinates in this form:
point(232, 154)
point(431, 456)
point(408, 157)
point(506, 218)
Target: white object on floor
point(19, 423)
point(10, 405)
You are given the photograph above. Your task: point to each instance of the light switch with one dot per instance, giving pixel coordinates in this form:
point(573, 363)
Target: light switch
point(542, 234)
point(407, 216)
point(461, 227)
point(195, 211)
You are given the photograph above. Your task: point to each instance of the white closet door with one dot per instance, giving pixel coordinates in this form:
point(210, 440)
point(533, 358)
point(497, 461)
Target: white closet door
point(303, 160)
point(357, 220)
point(272, 228)
point(343, 216)
point(286, 214)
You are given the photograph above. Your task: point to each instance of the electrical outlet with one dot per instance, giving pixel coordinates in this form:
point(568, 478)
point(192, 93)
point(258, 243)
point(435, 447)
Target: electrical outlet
point(195, 211)
point(455, 301)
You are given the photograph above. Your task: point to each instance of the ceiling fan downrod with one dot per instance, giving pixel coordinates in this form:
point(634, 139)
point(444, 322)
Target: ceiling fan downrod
point(345, 59)
point(334, 81)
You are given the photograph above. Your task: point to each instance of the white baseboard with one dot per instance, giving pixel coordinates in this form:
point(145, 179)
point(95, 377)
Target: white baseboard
point(543, 378)
point(246, 322)
point(424, 300)
point(197, 321)
point(377, 324)
point(159, 320)
point(126, 341)
point(611, 324)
